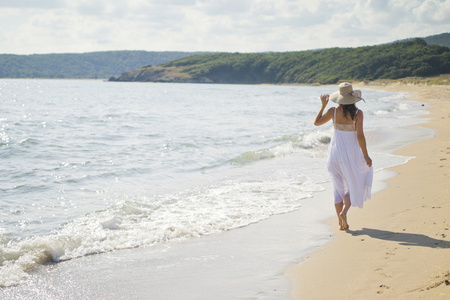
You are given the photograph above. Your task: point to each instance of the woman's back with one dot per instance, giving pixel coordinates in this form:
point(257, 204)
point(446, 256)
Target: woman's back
point(343, 123)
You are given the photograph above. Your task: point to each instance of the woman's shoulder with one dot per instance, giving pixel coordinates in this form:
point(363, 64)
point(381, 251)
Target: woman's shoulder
point(330, 111)
point(359, 116)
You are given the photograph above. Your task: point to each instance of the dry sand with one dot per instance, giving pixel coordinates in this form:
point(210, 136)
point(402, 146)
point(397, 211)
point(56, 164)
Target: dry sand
point(398, 246)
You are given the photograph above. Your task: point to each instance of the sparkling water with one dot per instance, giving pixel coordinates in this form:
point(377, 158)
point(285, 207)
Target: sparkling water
point(92, 167)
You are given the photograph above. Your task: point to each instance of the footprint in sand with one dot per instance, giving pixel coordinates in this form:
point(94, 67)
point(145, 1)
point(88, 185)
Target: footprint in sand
point(384, 287)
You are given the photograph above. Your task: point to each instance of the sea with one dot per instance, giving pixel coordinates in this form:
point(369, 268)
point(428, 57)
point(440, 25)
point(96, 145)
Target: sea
point(127, 190)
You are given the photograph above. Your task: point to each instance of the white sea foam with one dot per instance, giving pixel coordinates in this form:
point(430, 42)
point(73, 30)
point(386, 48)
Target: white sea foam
point(288, 144)
point(200, 211)
point(381, 112)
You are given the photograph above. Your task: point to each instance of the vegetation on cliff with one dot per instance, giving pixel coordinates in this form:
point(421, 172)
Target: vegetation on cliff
point(442, 39)
point(390, 61)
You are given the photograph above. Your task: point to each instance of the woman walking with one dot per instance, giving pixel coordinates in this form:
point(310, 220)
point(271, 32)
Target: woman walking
point(348, 161)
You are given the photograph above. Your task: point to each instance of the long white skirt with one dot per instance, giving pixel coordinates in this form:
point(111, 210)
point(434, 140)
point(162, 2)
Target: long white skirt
point(348, 168)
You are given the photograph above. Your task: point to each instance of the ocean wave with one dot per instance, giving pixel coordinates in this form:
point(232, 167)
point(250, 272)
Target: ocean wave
point(147, 221)
point(291, 144)
point(381, 112)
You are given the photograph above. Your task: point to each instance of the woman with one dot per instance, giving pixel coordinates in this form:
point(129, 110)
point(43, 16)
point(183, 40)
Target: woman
point(348, 161)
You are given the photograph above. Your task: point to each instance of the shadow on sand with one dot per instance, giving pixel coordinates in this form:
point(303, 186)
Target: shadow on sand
point(406, 239)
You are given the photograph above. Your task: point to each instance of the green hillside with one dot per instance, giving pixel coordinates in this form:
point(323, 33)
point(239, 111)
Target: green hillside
point(305, 66)
point(82, 65)
point(442, 39)
point(390, 61)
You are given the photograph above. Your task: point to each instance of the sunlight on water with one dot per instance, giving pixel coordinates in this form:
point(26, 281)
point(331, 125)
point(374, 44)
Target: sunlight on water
point(91, 167)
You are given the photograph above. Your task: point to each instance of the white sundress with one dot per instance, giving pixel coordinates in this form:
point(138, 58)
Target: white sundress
point(347, 166)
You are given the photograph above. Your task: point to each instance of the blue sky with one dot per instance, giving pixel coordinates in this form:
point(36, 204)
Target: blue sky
point(63, 26)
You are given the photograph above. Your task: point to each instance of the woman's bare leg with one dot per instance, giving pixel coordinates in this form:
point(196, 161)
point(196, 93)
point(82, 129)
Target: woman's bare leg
point(343, 213)
point(339, 207)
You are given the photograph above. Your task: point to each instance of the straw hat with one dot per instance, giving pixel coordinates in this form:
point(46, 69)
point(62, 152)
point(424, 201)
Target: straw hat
point(346, 94)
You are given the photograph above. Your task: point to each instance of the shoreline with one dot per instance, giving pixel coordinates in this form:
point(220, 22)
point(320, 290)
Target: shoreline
point(401, 230)
point(244, 263)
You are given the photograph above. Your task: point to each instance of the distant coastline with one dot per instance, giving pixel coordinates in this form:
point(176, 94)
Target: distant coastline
point(413, 58)
point(91, 65)
point(419, 57)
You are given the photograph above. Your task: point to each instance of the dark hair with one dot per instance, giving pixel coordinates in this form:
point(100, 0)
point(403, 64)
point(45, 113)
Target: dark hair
point(349, 109)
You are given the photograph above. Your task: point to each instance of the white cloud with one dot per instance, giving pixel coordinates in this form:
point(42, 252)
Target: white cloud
point(434, 11)
point(45, 26)
point(224, 7)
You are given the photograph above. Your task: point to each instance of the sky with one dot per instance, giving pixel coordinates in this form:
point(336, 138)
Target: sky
point(77, 26)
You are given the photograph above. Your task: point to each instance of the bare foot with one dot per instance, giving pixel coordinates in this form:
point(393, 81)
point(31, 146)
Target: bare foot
point(341, 226)
point(344, 221)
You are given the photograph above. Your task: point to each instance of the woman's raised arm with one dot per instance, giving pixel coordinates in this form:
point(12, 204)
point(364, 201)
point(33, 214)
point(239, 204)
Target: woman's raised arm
point(323, 118)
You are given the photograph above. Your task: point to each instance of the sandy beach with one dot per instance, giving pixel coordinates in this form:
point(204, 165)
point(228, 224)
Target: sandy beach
point(398, 245)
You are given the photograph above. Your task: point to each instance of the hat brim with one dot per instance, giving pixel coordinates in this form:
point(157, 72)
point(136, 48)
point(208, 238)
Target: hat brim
point(345, 99)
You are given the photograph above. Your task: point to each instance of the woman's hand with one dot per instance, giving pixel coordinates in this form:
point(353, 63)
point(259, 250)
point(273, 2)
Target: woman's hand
point(368, 160)
point(324, 98)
